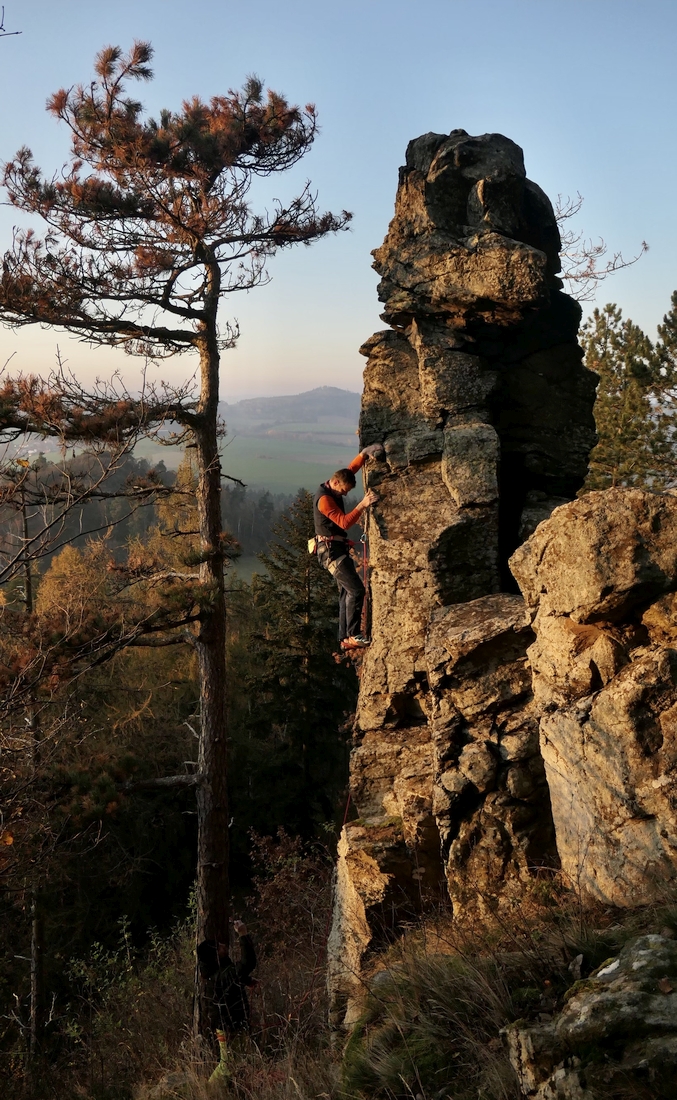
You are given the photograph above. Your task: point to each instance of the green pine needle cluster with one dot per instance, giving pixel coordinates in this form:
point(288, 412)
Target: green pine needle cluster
point(636, 401)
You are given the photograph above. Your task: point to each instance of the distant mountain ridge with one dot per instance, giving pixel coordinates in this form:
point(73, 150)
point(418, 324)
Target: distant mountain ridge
point(308, 408)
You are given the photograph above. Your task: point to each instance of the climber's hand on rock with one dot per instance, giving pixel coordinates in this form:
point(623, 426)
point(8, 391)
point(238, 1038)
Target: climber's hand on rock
point(370, 498)
point(373, 450)
point(240, 927)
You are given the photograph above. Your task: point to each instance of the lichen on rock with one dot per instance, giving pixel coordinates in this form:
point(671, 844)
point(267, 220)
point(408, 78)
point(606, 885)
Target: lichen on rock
point(615, 1036)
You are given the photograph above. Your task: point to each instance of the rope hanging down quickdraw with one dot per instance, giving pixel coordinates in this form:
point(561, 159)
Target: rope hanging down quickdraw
point(365, 571)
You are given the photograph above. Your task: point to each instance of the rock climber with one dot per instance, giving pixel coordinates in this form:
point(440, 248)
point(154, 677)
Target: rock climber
point(333, 545)
point(227, 993)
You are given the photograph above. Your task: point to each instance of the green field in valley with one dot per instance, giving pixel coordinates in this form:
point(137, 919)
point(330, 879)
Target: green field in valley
point(281, 444)
point(279, 463)
point(283, 464)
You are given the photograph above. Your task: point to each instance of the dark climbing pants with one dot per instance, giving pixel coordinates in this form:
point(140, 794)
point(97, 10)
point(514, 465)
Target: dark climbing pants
point(351, 598)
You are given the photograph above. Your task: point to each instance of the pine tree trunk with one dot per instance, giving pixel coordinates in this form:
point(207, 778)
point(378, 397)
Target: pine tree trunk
point(37, 919)
point(212, 893)
point(37, 969)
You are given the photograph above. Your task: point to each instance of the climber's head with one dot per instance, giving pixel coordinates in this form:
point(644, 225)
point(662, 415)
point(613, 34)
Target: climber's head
point(342, 481)
point(211, 956)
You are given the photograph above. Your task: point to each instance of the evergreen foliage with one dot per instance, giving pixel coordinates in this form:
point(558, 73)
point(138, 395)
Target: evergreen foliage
point(291, 696)
point(666, 356)
point(149, 226)
point(632, 411)
point(82, 814)
point(151, 218)
point(251, 514)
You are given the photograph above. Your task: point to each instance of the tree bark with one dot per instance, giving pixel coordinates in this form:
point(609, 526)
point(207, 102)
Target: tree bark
point(37, 972)
point(212, 887)
point(37, 916)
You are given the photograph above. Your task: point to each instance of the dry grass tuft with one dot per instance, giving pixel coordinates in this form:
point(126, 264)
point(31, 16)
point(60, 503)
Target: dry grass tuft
point(431, 1028)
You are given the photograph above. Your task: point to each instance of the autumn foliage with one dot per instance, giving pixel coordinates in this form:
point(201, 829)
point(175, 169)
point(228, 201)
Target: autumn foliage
point(150, 215)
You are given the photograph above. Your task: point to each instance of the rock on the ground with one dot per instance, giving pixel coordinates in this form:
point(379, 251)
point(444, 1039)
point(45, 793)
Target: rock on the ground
point(615, 1037)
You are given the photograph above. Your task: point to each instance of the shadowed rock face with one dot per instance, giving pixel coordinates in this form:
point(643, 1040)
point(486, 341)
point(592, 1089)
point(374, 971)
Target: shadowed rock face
point(478, 393)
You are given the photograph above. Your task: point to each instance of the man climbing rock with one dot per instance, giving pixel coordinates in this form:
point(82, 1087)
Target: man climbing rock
point(333, 546)
point(227, 992)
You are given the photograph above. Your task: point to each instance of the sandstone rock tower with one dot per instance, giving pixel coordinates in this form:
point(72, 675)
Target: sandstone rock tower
point(478, 393)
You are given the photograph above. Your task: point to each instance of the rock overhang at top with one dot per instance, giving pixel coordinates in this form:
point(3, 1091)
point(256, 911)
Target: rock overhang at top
point(472, 238)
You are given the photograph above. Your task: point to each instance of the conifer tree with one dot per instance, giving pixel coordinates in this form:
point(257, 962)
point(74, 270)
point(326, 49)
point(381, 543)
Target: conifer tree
point(666, 382)
point(633, 446)
point(292, 697)
point(148, 227)
point(667, 343)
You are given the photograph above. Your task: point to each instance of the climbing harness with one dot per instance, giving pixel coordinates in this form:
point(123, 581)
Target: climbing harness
point(312, 543)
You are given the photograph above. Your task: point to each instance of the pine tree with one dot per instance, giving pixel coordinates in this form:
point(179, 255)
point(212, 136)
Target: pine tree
point(290, 751)
point(633, 446)
point(666, 382)
point(149, 226)
point(667, 343)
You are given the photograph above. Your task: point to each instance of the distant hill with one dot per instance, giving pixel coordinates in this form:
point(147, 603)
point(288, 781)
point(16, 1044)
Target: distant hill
point(312, 407)
point(282, 443)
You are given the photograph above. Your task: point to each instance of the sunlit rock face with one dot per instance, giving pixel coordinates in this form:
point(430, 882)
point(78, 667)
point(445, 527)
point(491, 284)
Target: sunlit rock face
point(600, 579)
point(478, 393)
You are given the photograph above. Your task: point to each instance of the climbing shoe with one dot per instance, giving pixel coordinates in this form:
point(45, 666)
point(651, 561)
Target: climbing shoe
point(356, 642)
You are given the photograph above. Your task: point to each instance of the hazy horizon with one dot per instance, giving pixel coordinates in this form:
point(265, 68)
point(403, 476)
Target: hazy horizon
point(586, 89)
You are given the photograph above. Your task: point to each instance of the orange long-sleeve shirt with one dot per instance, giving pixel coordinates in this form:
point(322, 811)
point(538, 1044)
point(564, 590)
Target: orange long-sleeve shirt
point(329, 508)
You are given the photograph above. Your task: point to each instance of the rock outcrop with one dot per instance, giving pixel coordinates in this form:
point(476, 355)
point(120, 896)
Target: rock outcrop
point(479, 395)
point(615, 1037)
point(490, 799)
point(599, 578)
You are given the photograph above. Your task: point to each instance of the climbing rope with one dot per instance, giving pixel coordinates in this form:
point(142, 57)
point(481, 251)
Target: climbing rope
point(364, 625)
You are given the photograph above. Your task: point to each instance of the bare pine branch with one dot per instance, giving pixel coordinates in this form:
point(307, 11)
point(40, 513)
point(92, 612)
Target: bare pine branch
point(583, 260)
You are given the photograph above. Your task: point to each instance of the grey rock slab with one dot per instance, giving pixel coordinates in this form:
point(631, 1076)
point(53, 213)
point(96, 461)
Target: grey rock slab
point(456, 632)
point(612, 779)
point(618, 1029)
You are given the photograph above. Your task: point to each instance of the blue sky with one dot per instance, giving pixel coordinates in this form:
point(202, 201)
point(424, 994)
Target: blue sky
point(586, 87)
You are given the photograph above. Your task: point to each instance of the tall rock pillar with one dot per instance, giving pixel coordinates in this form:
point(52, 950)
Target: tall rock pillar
point(478, 393)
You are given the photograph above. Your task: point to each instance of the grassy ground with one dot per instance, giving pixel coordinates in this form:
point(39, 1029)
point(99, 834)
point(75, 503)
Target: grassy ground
point(434, 1003)
point(283, 463)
